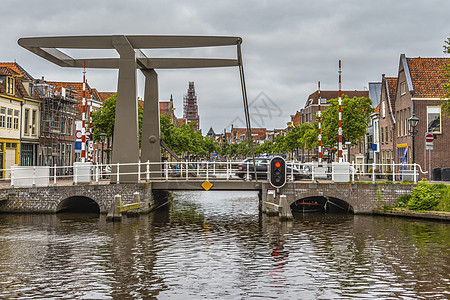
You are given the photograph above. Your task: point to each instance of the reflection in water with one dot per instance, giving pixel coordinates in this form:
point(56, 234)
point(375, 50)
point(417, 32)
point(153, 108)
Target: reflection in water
point(216, 245)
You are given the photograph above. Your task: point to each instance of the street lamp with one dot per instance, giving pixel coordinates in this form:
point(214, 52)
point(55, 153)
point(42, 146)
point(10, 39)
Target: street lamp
point(102, 139)
point(413, 121)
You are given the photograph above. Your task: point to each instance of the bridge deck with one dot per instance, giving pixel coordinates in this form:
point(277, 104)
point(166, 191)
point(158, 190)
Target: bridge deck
point(217, 185)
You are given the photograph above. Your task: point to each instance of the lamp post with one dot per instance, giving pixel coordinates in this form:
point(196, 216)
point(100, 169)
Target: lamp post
point(102, 139)
point(413, 121)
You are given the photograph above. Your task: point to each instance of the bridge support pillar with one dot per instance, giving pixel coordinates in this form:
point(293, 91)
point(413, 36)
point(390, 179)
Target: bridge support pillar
point(126, 133)
point(150, 145)
point(113, 214)
point(284, 209)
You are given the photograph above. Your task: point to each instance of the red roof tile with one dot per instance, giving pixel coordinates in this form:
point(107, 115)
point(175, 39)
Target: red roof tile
point(105, 95)
point(17, 68)
point(426, 76)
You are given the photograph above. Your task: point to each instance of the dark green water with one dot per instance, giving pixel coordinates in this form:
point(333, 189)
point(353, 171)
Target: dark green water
point(215, 245)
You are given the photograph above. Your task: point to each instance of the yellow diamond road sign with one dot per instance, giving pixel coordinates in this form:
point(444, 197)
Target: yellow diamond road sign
point(207, 185)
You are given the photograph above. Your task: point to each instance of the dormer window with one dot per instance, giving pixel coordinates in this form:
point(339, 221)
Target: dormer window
point(10, 85)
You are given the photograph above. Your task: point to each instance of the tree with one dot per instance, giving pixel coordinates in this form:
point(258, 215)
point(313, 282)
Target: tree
point(355, 118)
point(104, 118)
point(280, 144)
point(446, 85)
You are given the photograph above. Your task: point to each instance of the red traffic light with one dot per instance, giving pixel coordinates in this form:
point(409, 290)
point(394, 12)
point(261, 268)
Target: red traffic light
point(277, 164)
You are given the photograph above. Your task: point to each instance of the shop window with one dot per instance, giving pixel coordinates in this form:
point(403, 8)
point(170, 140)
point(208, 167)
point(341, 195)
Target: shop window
point(434, 119)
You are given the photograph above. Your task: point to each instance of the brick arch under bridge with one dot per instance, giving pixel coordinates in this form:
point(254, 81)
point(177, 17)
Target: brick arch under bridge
point(47, 199)
point(362, 197)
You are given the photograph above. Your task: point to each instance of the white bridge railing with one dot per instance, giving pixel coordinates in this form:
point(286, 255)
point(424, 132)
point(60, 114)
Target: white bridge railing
point(30, 176)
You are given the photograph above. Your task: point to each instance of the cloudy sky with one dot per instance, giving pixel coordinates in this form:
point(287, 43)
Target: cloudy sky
point(287, 46)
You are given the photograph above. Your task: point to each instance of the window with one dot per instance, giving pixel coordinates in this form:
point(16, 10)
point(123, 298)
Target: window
point(434, 119)
point(406, 121)
point(403, 88)
point(386, 132)
point(2, 117)
point(383, 109)
point(70, 126)
point(33, 122)
point(382, 135)
point(398, 124)
point(401, 123)
point(26, 122)
point(16, 119)
point(9, 118)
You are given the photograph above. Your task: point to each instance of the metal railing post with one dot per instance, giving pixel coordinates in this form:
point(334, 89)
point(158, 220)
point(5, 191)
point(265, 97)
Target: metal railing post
point(187, 170)
point(75, 172)
point(353, 171)
point(167, 170)
point(12, 176)
point(118, 173)
point(228, 170)
point(198, 169)
point(214, 168)
point(139, 171)
point(415, 175)
point(292, 172)
point(147, 171)
point(207, 171)
point(393, 171)
point(248, 170)
point(54, 175)
point(312, 172)
point(373, 172)
point(96, 173)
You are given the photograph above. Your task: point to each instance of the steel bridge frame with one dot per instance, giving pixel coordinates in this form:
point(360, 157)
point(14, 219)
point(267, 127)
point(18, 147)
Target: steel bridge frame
point(131, 58)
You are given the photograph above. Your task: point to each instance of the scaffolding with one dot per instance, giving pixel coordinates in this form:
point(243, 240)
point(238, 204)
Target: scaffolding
point(57, 121)
point(190, 107)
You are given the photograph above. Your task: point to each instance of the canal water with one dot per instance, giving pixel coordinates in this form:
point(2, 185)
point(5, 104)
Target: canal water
point(215, 245)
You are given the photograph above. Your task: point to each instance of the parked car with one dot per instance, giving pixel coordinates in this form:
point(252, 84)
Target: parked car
point(262, 164)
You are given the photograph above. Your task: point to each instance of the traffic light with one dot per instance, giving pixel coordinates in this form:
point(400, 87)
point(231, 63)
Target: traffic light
point(277, 172)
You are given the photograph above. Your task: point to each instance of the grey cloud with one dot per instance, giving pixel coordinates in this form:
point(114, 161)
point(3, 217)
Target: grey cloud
point(288, 45)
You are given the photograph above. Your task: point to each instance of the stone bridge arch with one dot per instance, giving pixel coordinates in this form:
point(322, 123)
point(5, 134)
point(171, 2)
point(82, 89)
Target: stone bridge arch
point(362, 197)
point(332, 200)
point(78, 204)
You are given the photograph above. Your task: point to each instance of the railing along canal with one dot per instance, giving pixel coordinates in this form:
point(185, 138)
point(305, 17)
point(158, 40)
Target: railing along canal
point(22, 176)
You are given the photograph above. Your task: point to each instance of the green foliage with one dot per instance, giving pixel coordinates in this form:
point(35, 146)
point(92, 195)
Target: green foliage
point(446, 85)
point(402, 201)
point(103, 119)
point(424, 197)
point(444, 202)
point(185, 140)
point(355, 118)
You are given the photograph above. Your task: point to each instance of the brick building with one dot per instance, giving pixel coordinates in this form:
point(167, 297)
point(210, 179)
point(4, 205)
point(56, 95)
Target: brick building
point(419, 91)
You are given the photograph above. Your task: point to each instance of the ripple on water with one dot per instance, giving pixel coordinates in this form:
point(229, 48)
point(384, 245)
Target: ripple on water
point(216, 245)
